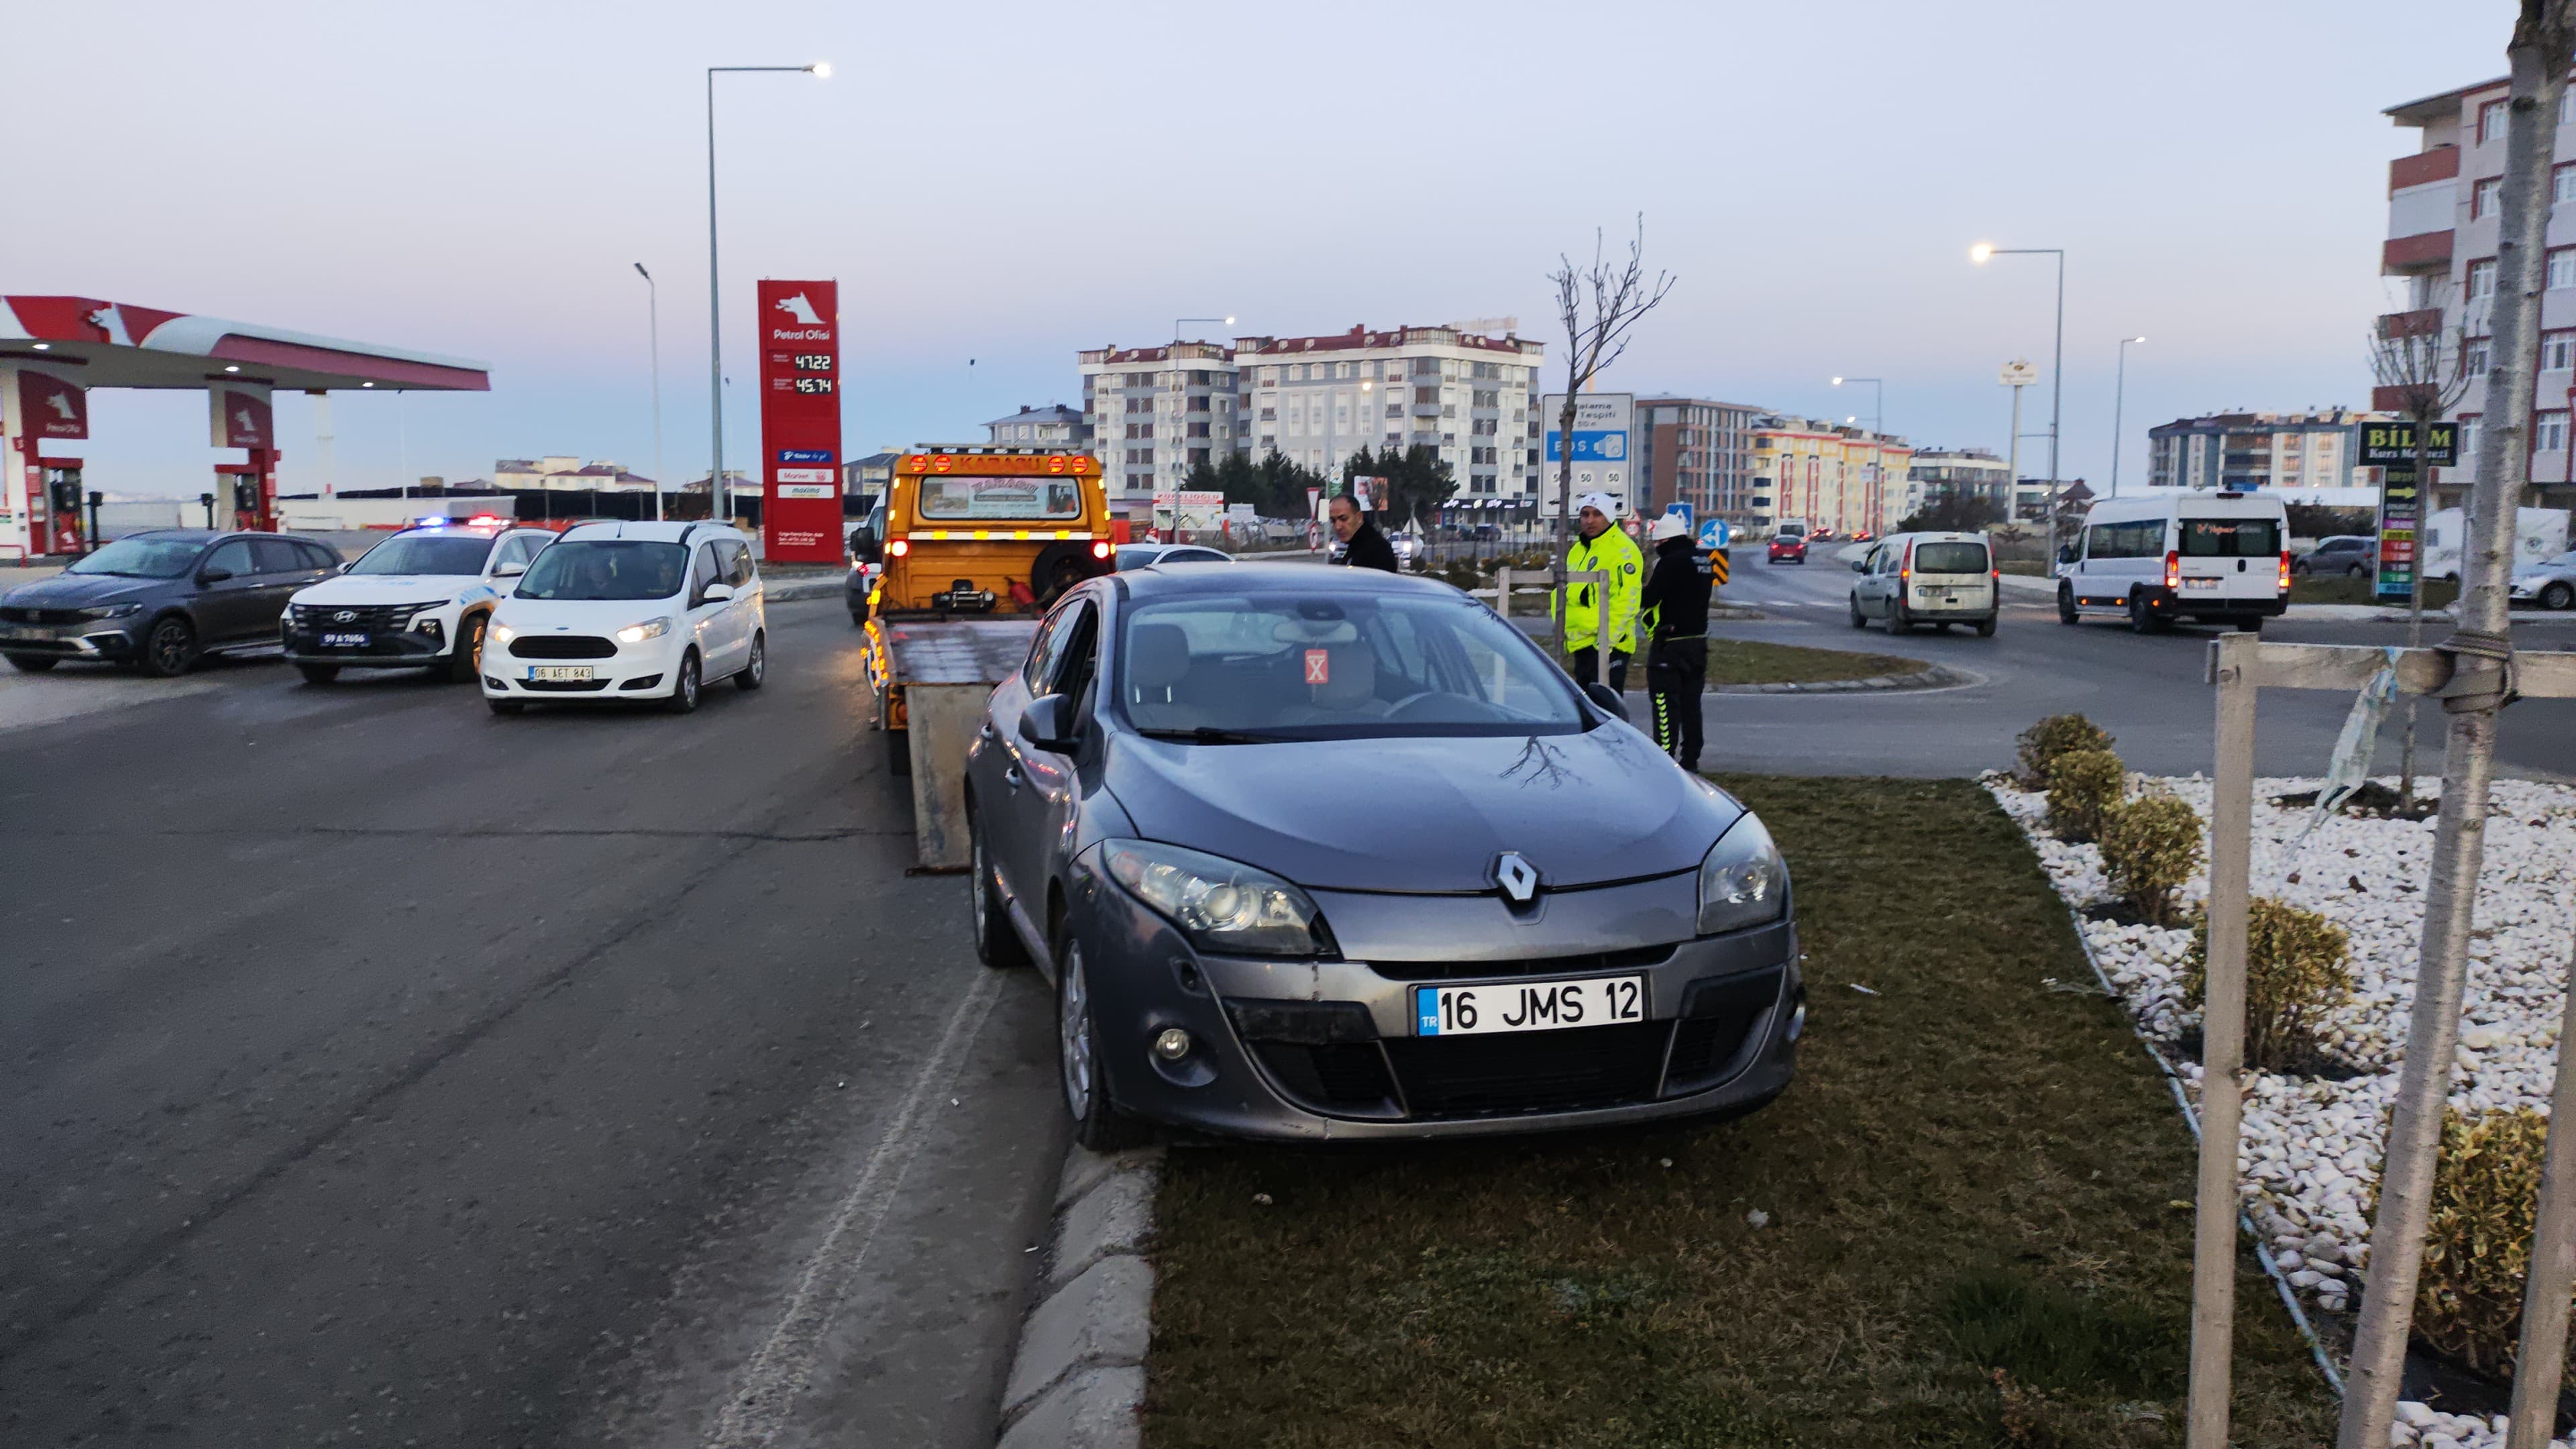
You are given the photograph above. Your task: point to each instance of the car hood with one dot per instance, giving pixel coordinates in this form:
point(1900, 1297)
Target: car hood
point(581, 616)
point(1425, 815)
point(387, 588)
point(81, 591)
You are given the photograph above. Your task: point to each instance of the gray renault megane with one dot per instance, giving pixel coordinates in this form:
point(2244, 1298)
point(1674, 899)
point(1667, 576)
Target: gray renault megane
point(1319, 853)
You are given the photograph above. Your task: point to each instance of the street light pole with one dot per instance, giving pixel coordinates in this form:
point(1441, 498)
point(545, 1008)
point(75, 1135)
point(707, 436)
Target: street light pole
point(1877, 447)
point(715, 306)
point(2057, 364)
point(653, 312)
point(2119, 394)
point(1877, 400)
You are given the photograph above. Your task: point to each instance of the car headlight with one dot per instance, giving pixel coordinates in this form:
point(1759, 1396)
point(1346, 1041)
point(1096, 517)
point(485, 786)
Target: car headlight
point(1742, 881)
point(1221, 905)
point(649, 629)
point(503, 633)
point(111, 611)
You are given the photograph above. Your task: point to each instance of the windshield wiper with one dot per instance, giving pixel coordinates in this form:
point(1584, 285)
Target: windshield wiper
point(1209, 735)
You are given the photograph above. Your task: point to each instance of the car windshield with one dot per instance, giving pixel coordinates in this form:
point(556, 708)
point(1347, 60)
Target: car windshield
point(1949, 558)
point(606, 568)
point(2230, 537)
point(1325, 666)
point(143, 558)
point(426, 553)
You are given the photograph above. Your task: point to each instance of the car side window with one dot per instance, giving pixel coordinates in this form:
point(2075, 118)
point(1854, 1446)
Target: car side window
point(735, 558)
point(1042, 650)
point(513, 550)
point(702, 572)
point(1075, 663)
point(232, 556)
point(278, 556)
point(317, 557)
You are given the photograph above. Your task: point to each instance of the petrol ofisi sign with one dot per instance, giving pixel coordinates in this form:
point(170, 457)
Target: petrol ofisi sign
point(800, 421)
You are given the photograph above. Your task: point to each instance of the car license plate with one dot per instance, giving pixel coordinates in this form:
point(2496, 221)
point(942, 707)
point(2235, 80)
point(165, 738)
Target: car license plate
point(1527, 1005)
point(344, 641)
point(558, 673)
point(2202, 583)
point(20, 631)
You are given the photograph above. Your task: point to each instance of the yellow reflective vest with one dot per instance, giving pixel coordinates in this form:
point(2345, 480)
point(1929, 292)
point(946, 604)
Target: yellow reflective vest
point(1613, 552)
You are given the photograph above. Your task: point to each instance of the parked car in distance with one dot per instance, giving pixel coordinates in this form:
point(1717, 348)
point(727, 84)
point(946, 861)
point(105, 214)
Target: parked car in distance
point(629, 611)
point(1939, 579)
point(2179, 553)
point(1145, 555)
point(2345, 555)
point(1407, 548)
point(2551, 583)
point(161, 601)
point(1788, 548)
point(1431, 947)
point(418, 600)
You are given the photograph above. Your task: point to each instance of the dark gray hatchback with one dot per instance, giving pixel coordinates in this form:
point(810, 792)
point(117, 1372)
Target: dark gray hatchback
point(1330, 853)
point(160, 601)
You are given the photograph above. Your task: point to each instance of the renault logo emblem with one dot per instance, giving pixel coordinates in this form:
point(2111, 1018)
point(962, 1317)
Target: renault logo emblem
point(1517, 877)
point(345, 616)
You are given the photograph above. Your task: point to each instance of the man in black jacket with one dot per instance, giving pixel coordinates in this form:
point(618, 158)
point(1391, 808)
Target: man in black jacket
point(1674, 611)
point(1364, 546)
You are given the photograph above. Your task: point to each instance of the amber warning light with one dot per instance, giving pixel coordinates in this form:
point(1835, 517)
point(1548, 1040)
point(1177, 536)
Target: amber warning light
point(988, 465)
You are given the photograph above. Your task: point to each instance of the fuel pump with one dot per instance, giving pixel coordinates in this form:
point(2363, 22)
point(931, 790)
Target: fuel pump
point(249, 491)
point(58, 522)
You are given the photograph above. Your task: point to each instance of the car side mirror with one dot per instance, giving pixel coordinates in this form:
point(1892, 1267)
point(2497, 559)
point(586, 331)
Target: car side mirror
point(1609, 700)
point(509, 571)
point(2066, 554)
point(1860, 565)
point(213, 576)
point(1048, 723)
point(716, 593)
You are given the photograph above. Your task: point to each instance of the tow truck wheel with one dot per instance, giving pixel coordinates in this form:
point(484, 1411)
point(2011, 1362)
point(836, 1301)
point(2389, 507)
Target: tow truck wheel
point(318, 673)
point(465, 662)
point(34, 663)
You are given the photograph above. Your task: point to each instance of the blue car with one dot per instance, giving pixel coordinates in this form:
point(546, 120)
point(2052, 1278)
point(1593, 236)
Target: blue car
point(163, 600)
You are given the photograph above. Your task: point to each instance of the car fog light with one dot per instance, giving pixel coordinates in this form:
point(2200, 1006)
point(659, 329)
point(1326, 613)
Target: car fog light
point(1798, 1022)
point(1172, 1044)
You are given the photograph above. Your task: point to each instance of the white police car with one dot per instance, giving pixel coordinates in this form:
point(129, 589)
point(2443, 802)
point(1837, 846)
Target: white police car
point(419, 600)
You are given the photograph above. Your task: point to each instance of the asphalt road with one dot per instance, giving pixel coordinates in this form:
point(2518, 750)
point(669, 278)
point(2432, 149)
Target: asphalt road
point(376, 1070)
point(2148, 690)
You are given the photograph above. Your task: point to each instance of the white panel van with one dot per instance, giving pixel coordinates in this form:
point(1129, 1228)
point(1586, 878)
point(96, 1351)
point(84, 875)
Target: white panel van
point(2178, 553)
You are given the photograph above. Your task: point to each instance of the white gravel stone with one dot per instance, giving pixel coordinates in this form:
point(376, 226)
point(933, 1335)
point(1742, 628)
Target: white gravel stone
point(2309, 1160)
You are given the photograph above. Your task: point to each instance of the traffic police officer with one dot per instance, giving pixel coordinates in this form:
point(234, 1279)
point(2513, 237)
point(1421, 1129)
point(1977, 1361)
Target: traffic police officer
point(1593, 624)
point(1676, 621)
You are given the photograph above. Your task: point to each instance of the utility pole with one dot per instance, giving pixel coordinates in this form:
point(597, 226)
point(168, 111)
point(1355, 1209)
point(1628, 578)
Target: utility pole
point(653, 314)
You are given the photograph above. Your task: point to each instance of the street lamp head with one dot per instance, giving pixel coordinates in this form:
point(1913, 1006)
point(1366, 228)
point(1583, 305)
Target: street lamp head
point(820, 70)
point(2137, 339)
point(1229, 321)
point(1838, 382)
point(639, 271)
point(1980, 252)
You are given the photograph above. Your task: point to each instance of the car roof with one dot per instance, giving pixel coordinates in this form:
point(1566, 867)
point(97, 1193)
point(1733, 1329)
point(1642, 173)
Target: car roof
point(1279, 578)
point(2203, 502)
point(199, 535)
point(653, 530)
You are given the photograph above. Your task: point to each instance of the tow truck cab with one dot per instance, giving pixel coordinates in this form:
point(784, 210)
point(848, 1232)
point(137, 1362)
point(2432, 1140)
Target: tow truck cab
point(990, 531)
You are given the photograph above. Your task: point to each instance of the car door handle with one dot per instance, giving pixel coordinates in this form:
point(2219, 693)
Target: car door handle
point(989, 732)
point(1012, 777)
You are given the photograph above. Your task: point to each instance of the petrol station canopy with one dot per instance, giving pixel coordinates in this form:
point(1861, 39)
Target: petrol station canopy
point(118, 344)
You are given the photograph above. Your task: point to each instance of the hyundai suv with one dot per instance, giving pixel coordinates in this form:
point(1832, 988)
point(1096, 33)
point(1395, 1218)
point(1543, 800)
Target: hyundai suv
point(419, 600)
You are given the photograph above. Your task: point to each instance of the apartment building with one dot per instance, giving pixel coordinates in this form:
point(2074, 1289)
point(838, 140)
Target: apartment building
point(1472, 397)
point(1937, 473)
point(1696, 451)
point(1834, 476)
point(2248, 450)
point(2444, 205)
point(1054, 425)
point(1154, 412)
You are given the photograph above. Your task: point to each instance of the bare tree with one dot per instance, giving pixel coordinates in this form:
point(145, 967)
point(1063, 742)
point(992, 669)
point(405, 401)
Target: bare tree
point(2481, 653)
point(1599, 305)
point(2428, 371)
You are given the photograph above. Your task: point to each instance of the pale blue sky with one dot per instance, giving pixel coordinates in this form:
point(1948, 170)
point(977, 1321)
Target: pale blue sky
point(1001, 182)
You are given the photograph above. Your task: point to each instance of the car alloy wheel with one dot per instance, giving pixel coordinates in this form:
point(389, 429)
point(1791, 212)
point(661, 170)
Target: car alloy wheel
point(684, 688)
point(2558, 596)
point(170, 648)
point(756, 667)
point(1073, 1040)
point(996, 944)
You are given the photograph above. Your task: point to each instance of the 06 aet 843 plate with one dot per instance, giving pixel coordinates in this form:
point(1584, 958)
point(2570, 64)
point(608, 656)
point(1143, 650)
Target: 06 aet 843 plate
point(1527, 1005)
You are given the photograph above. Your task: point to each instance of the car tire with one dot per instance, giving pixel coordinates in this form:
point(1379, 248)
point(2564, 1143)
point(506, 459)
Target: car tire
point(2555, 596)
point(2142, 615)
point(506, 706)
point(2357, 571)
point(755, 665)
point(318, 673)
point(1985, 628)
point(685, 685)
point(169, 647)
point(996, 944)
point(465, 661)
point(34, 663)
point(2250, 626)
point(1859, 619)
point(1097, 1124)
point(1897, 622)
point(2066, 605)
point(858, 618)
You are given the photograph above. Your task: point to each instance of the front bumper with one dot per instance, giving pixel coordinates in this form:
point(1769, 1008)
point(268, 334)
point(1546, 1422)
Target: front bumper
point(636, 671)
point(1324, 1050)
point(89, 639)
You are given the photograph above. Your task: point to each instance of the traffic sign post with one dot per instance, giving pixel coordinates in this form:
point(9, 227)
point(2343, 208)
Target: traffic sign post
point(2391, 447)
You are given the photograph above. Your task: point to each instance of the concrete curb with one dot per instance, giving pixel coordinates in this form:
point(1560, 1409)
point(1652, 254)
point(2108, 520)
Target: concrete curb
point(1078, 1379)
point(1936, 677)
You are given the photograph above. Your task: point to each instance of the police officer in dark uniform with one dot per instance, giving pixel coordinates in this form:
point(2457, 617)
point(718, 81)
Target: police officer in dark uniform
point(1675, 613)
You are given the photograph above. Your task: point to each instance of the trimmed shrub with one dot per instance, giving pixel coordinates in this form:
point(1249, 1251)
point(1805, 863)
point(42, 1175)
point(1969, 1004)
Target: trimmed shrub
point(2043, 742)
point(2084, 790)
point(2477, 1246)
point(2294, 974)
point(2151, 846)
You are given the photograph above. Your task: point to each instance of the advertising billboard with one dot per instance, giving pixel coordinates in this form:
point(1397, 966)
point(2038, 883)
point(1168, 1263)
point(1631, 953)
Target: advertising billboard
point(1600, 446)
point(800, 421)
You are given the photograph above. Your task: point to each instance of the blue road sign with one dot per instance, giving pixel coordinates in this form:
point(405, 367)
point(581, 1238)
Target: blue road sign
point(1714, 533)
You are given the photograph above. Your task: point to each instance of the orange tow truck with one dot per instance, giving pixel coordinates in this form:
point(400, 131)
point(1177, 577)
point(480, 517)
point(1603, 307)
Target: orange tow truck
point(978, 544)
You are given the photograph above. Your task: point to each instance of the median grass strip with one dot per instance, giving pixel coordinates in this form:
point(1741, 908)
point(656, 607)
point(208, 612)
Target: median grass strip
point(1966, 1224)
point(1751, 661)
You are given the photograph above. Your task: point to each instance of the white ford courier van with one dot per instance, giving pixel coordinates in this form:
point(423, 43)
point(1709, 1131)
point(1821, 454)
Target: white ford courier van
point(2178, 553)
point(1926, 578)
point(628, 611)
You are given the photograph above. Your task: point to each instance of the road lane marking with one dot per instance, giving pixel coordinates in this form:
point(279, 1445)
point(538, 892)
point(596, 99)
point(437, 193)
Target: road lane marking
point(757, 1409)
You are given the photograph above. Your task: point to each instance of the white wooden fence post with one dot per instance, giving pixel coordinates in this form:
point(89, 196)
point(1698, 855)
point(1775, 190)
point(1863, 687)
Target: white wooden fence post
point(2222, 1038)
